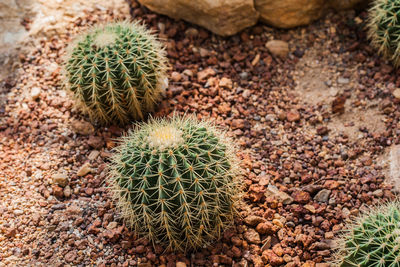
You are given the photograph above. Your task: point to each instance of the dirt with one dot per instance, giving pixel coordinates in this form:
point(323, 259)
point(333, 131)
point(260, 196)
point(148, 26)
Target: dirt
point(320, 82)
point(308, 164)
point(12, 32)
point(356, 119)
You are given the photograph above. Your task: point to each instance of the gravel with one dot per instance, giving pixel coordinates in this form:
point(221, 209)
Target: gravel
point(302, 181)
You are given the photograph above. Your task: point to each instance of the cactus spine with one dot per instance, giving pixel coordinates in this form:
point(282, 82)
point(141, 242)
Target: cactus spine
point(384, 28)
point(116, 72)
point(175, 182)
point(373, 239)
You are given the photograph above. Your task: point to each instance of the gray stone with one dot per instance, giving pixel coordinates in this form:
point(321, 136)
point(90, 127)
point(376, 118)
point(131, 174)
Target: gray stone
point(279, 195)
point(243, 75)
point(323, 195)
point(342, 80)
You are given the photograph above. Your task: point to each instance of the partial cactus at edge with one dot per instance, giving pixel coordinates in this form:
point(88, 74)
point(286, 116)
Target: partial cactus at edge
point(116, 72)
point(372, 240)
point(384, 28)
point(175, 182)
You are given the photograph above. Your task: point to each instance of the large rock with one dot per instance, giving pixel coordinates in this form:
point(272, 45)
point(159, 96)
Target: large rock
point(223, 17)
point(292, 13)
point(227, 17)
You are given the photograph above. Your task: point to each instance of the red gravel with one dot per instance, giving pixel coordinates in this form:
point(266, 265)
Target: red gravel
point(302, 179)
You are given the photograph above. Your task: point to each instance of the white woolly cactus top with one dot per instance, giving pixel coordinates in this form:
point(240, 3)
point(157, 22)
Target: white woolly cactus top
point(104, 39)
point(165, 136)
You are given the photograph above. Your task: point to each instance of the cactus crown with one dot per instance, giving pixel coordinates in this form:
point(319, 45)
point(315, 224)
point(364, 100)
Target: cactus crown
point(116, 72)
point(384, 28)
point(175, 182)
point(373, 239)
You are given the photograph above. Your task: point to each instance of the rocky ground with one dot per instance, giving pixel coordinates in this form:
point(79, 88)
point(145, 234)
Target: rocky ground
point(317, 127)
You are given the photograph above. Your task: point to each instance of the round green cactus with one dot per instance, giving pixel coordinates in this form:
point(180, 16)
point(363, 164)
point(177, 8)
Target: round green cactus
point(175, 182)
point(373, 239)
point(116, 72)
point(384, 28)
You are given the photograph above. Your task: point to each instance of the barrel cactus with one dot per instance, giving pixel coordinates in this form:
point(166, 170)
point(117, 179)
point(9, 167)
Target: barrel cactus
point(373, 239)
point(175, 182)
point(384, 28)
point(116, 72)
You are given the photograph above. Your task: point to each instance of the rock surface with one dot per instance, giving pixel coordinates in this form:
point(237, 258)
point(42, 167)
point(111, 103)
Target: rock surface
point(290, 13)
point(227, 17)
point(219, 16)
point(346, 4)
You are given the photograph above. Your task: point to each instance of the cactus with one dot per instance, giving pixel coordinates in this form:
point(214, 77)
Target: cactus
point(116, 72)
point(372, 240)
point(175, 182)
point(384, 28)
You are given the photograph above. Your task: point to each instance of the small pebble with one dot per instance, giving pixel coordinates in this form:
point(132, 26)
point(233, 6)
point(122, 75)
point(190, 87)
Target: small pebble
point(84, 169)
point(35, 93)
point(342, 80)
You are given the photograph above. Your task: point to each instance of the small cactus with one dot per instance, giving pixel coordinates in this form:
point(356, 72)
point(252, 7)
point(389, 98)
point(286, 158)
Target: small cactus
point(384, 28)
point(372, 240)
point(116, 72)
point(175, 182)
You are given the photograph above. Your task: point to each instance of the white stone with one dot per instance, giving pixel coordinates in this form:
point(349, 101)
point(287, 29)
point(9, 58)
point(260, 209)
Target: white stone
point(18, 212)
point(35, 93)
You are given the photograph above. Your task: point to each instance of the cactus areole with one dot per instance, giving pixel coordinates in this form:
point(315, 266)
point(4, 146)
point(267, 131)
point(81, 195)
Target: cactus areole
point(175, 182)
point(116, 72)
